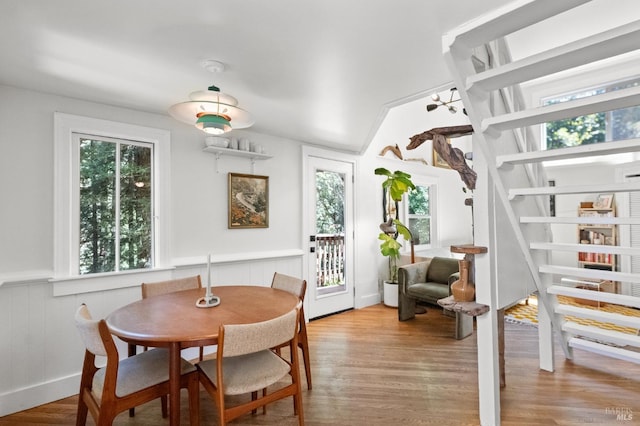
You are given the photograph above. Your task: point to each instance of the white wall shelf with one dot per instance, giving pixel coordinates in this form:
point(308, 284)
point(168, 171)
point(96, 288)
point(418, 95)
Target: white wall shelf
point(219, 152)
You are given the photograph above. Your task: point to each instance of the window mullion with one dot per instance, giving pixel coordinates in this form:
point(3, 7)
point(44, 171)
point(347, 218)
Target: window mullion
point(116, 197)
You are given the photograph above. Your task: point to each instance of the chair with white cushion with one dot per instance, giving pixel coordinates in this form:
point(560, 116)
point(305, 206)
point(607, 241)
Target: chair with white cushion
point(297, 287)
point(245, 364)
point(107, 391)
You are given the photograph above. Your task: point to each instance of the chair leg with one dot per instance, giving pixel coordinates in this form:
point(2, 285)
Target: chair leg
point(304, 345)
point(164, 405)
point(264, 407)
point(307, 363)
point(406, 307)
point(81, 416)
point(254, 396)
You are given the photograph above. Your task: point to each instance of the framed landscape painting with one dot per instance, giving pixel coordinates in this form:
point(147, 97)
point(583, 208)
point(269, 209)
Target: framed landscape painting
point(248, 201)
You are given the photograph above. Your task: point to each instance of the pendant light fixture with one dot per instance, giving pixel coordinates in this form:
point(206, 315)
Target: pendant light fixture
point(447, 104)
point(212, 111)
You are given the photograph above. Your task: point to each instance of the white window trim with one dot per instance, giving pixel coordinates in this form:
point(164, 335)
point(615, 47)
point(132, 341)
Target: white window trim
point(64, 127)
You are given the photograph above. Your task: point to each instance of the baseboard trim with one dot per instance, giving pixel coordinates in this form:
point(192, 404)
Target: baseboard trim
point(43, 393)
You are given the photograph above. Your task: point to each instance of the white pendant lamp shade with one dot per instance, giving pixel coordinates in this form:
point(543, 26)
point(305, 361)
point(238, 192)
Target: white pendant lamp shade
point(212, 112)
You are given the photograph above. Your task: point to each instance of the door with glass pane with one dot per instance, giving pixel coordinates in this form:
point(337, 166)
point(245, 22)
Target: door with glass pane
point(329, 230)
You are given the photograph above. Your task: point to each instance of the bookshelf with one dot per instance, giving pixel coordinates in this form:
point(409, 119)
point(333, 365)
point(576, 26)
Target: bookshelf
point(597, 234)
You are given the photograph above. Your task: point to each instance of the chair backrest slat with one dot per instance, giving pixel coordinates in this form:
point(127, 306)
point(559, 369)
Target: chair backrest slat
point(169, 286)
point(290, 284)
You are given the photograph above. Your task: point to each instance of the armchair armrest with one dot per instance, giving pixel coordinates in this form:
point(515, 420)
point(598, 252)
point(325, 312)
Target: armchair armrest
point(411, 274)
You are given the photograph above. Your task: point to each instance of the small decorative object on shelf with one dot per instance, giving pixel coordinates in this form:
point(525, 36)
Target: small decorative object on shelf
point(463, 290)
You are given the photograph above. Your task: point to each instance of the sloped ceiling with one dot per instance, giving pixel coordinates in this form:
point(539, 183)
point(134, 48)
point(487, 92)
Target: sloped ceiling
point(322, 72)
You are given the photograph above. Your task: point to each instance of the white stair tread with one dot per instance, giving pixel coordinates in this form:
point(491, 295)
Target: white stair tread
point(581, 151)
point(597, 315)
point(506, 20)
point(623, 98)
point(591, 248)
point(582, 220)
point(607, 44)
point(610, 351)
point(600, 296)
point(589, 273)
point(601, 334)
point(576, 189)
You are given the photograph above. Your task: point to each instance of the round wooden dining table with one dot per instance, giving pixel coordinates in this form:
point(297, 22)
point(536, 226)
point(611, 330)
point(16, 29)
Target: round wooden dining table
point(173, 320)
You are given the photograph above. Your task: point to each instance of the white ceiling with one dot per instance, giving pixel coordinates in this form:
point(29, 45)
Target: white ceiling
point(322, 72)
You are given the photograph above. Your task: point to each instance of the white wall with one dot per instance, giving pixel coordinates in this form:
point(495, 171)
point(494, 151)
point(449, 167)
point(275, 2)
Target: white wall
point(453, 218)
point(41, 356)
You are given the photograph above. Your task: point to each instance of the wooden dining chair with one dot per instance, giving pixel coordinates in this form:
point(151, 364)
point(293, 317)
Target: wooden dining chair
point(107, 391)
point(169, 286)
point(245, 364)
point(297, 287)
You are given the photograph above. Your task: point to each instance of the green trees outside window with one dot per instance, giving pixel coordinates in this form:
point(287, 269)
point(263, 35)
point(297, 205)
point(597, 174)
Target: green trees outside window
point(116, 215)
point(594, 128)
point(419, 215)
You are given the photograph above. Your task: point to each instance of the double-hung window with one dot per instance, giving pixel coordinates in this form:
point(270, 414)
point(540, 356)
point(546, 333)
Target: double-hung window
point(109, 204)
point(115, 204)
point(419, 206)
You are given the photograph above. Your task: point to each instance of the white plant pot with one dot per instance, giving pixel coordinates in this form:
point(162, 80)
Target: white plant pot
point(390, 296)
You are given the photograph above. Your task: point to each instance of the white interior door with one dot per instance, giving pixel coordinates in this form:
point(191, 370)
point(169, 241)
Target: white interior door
point(329, 235)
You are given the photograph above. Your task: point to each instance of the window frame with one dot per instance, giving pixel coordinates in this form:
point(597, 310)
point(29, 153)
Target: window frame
point(75, 194)
point(66, 172)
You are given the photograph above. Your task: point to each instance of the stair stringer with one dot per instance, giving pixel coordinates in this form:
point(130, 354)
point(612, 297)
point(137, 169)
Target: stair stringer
point(491, 145)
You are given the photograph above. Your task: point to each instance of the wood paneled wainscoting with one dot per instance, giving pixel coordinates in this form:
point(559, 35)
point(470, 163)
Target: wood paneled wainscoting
point(371, 369)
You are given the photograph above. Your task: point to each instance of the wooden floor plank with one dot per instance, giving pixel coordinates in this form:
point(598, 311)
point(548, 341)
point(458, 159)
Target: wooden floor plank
point(371, 369)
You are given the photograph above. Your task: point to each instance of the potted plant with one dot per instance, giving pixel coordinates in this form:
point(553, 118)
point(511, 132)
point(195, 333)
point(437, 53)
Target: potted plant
point(394, 187)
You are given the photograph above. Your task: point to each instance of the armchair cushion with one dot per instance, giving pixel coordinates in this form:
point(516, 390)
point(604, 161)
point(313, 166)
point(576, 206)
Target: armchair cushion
point(426, 281)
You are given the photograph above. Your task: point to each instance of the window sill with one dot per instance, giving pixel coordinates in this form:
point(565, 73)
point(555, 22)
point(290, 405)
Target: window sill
point(65, 286)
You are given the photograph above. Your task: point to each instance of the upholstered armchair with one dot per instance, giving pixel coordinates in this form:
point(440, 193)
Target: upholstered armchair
point(426, 281)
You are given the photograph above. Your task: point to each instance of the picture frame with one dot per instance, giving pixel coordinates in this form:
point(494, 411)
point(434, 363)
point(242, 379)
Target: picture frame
point(248, 201)
point(604, 201)
point(438, 161)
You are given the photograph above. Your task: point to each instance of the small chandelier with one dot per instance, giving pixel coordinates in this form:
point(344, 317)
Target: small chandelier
point(438, 102)
point(212, 111)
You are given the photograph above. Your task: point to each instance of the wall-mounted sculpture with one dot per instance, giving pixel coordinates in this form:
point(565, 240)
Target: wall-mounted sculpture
point(454, 157)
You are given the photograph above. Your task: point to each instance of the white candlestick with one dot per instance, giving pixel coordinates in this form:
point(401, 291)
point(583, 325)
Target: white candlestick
point(208, 295)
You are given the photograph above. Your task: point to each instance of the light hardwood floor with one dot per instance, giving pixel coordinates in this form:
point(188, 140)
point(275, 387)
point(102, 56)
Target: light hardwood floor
point(370, 369)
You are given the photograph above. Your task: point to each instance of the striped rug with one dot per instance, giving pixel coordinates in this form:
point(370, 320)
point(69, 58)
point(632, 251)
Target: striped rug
point(526, 312)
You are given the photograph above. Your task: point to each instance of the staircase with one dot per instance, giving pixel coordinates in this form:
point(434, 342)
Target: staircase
point(509, 163)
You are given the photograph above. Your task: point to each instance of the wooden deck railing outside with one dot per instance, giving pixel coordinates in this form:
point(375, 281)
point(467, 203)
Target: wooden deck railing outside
point(330, 260)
